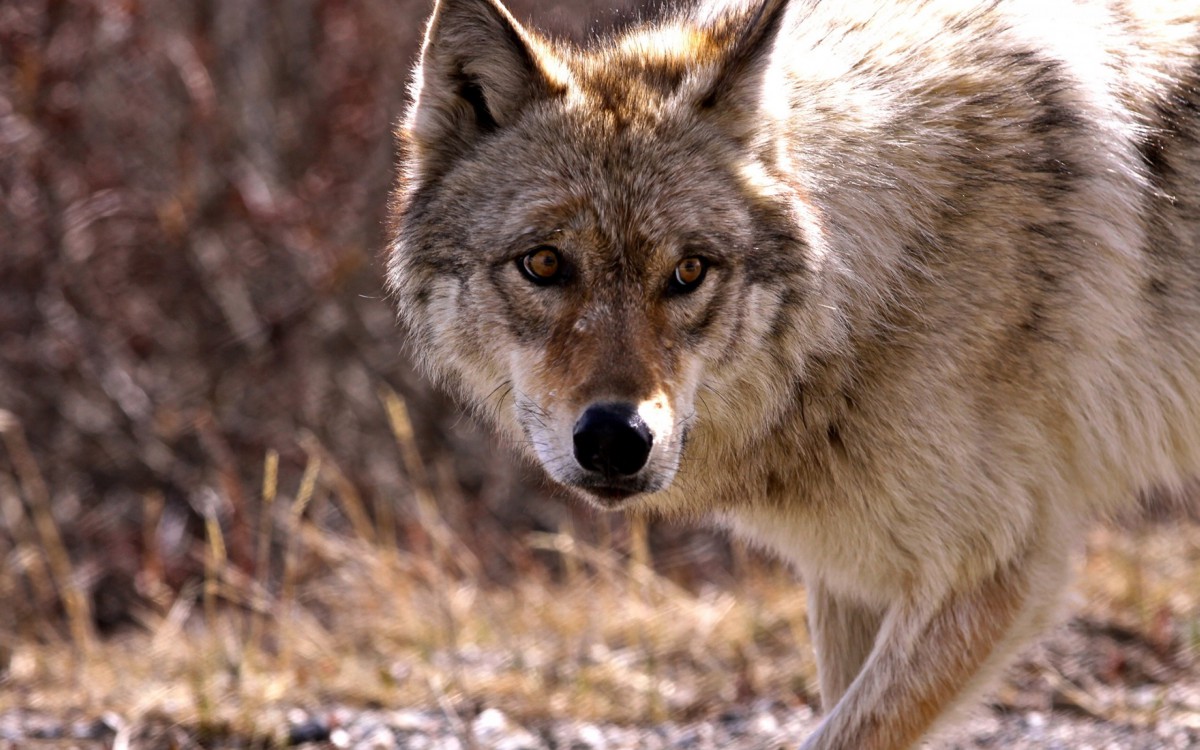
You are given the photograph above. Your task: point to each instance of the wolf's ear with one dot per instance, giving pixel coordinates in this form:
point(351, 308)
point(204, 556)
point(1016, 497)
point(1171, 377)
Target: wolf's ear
point(479, 68)
point(739, 83)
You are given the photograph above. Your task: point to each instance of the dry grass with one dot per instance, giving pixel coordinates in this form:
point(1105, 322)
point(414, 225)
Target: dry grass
point(348, 618)
point(385, 629)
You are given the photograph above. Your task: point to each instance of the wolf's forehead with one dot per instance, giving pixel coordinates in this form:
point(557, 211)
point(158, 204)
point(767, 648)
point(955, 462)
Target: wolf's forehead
point(633, 186)
point(634, 77)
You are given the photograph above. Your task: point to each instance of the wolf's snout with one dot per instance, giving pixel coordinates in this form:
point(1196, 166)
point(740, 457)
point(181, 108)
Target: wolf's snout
point(612, 439)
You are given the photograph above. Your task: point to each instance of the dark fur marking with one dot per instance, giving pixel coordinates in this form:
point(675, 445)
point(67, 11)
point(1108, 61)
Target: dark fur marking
point(1054, 234)
point(1060, 176)
point(1054, 118)
point(1157, 287)
point(1055, 121)
point(1059, 167)
point(778, 251)
point(443, 265)
point(799, 387)
point(1031, 326)
point(987, 101)
point(1153, 150)
point(780, 323)
point(770, 268)
point(1047, 280)
point(523, 326)
point(696, 330)
point(917, 252)
point(1174, 125)
point(775, 485)
point(427, 256)
point(850, 401)
point(1042, 230)
point(735, 335)
point(834, 433)
point(739, 325)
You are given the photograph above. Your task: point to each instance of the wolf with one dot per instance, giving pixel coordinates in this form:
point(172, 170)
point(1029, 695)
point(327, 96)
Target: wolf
point(904, 292)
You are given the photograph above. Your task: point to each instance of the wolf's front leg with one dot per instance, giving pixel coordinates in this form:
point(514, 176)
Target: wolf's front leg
point(843, 634)
point(926, 655)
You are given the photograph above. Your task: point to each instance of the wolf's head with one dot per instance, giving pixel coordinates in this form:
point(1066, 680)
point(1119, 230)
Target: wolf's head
point(601, 248)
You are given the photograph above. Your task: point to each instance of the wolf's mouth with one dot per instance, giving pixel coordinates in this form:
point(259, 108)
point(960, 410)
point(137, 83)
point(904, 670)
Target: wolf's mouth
point(610, 495)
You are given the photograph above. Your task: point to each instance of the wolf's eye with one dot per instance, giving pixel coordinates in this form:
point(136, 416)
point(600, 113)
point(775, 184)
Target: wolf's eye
point(689, 273)
point(541, 265)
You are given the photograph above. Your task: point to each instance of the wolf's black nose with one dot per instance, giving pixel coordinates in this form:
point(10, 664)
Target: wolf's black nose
point(612, 439)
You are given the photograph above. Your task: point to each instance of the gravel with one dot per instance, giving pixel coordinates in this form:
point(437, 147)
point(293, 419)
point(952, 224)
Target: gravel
point(763, 725)
point(1090, 686)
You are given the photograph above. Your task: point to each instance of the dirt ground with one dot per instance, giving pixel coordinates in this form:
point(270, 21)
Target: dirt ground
point(1090, 685)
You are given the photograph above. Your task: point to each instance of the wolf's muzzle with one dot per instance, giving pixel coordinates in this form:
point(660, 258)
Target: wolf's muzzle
point(613, 440)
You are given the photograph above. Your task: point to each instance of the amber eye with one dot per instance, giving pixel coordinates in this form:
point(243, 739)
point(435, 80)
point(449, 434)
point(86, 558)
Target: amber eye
point(542, 265)
point(689, 272)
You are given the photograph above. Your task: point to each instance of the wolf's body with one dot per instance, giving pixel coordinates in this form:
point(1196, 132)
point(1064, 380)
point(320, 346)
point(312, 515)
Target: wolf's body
point(949, 305)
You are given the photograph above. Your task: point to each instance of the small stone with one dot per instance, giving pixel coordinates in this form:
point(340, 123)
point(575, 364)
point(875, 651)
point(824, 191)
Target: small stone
point(96, 729)
point(590, 736)
point(765, 723)
point(379, 738)
point(311, 729)
point(340, 738)
point(490, 723)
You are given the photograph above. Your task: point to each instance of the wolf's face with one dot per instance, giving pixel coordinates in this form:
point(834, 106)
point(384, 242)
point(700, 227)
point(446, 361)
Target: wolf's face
point(587, 244)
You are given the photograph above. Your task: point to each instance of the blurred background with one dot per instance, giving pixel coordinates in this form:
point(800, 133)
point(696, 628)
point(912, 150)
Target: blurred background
point(225, 493)
point(192, 202)
point(192, 209)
